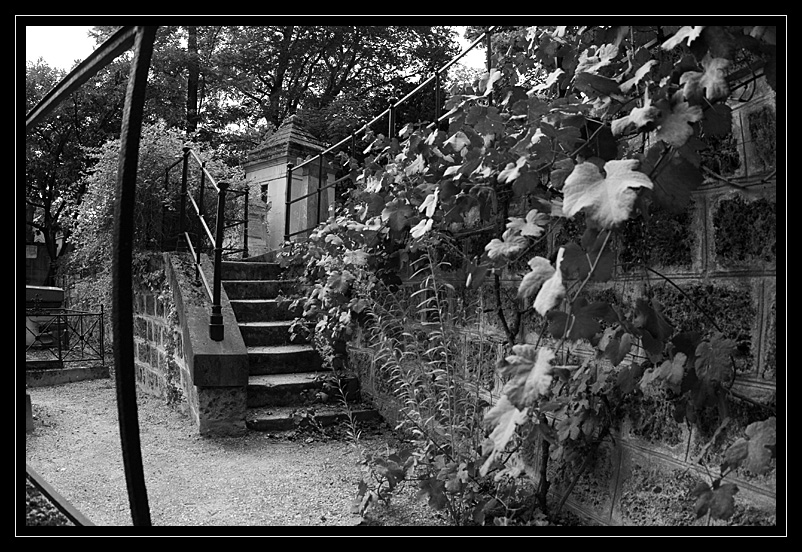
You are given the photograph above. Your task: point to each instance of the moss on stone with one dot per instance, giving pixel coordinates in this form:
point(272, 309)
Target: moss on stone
point(745, 232)
point(662, 239)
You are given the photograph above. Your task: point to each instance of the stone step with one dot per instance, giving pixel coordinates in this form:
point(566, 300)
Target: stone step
point(259, 289)
point(275, 332)
point(286, 418)
point(298, 389)
point(254, 310)
point(250, 270)
point(283, 359)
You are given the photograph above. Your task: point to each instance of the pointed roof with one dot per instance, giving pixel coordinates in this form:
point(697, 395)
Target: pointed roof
point(291, 138)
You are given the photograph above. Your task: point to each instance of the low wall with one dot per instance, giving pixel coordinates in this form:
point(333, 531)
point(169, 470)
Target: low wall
point(176, 360)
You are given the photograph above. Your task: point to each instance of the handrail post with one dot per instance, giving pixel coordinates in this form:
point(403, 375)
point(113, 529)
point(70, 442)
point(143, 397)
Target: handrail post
point(319, 185)
point(436, 98)
point(245, 228)
point(216, 329)
point(391, 117)
point(182, 228)
point(288, 203)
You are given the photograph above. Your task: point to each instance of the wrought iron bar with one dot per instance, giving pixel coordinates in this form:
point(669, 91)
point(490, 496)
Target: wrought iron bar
point(288, 203)
point(216, 317)
point(319, 191)
point(118, 43)
point(122, 284)
point(245, 228)
point(61, 503)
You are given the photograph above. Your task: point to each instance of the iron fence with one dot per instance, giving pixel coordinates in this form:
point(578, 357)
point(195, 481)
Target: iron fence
point(60, 336)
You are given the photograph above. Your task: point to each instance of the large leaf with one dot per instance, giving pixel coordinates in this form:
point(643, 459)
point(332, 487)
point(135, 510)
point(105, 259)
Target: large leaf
point(504, 417)
point(675, 128)
point(509, 244)
point(710, 84)
point(552, 291)
point(689, 33)
point(541, 270)
point(606, 199)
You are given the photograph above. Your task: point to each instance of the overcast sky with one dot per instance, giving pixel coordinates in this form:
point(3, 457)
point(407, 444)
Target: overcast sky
point(59, 46)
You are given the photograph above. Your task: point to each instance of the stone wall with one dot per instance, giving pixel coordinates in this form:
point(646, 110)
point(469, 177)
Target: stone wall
point(720, 255)
point(159, 363)
point(172, 356)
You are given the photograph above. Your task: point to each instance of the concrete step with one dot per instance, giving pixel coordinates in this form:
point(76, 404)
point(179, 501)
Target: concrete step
point(275, 332)
point(286, 418)
point(254, 310)
point(250, 270)
point(283, 359)
point(259, 289)
point(299, 389)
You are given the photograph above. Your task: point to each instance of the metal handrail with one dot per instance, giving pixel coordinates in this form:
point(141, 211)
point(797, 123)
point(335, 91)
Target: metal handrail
point(141, 39)
point(216, 328)
point(394, 104)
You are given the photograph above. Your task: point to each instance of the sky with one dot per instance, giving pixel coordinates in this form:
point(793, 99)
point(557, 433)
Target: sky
point(60, 46)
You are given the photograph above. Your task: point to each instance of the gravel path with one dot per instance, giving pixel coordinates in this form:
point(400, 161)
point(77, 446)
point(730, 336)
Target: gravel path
point(257, 480)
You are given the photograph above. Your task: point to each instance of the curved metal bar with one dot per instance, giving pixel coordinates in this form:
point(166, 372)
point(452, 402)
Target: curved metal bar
point(118, 43)
point(122, 284)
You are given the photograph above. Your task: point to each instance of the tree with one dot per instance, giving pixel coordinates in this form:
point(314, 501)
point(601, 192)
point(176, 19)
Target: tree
point(275, 71)
point(56, 149)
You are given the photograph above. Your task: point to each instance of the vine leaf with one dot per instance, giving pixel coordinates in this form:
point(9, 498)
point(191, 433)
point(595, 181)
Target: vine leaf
point(639, 117)
point(713, 363)
point(641, 72)
point(509, 244)
point(675, 128)
point(711, 84)
point(532, 225)
point(607, 200)
point(670, 373)
point(541, 270)
point(719, 501)
point(435, 490)
point(504, 417)
point(756, 450)
point(691, 33)
point(552, 291)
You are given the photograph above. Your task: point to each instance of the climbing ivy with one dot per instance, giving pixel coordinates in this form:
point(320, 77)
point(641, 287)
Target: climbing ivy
point(575, 135)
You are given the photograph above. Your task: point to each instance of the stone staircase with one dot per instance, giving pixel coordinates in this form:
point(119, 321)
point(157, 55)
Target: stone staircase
point(285, 377)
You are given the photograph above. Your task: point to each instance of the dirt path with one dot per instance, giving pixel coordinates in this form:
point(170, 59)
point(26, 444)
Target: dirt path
point(256, 480)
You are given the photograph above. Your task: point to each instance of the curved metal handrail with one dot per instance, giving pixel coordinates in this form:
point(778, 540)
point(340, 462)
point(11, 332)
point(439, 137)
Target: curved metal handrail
point(142, 39)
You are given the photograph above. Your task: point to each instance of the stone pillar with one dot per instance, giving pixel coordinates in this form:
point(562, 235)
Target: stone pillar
point(266, 173)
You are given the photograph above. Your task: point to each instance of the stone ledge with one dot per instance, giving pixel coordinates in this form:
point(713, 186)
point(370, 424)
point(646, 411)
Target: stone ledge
point(211, 363)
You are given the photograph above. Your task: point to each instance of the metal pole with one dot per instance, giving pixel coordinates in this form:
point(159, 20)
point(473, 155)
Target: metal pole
point(122, 281)
point(182, 208)
point(288, 203)
point(319, 184)
point(391, 122)
point(436, 97)
point(216, 329)
point(245, 228)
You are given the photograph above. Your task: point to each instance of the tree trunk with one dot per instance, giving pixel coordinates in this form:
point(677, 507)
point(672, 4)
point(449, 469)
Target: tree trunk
point(192, 79)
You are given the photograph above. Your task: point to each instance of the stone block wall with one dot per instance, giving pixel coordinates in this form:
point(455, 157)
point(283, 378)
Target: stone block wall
point(720, 255)
point(160, 367)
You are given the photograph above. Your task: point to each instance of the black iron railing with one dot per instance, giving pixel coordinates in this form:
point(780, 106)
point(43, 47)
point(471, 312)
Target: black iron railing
point(63, 335)
point(195, 227)
point(390, 113)
point(141, 39)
